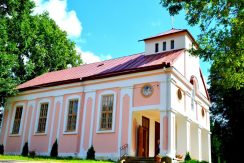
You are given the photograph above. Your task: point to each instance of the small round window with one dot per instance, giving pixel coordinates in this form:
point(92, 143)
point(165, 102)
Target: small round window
point(179, 94)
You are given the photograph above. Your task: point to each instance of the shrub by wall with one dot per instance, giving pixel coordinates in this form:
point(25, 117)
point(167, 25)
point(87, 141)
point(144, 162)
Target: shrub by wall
point(1, 149)
point(25, 150)
point(90, 153)
point(54, 151)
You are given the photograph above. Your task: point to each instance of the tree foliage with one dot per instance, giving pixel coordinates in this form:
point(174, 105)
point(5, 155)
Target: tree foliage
point(222, 43)
point(221, 40)
point(30, 45)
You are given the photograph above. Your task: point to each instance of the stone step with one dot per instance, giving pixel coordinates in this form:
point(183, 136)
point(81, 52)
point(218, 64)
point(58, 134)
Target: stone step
point(139, 160)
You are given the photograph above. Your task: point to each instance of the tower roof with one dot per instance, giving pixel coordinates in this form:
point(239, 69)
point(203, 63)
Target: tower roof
point(170, 32)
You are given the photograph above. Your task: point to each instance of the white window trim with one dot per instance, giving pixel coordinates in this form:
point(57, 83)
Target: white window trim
point(108, 92)
point(13, 116)
point(72, 97)
point(45, 100)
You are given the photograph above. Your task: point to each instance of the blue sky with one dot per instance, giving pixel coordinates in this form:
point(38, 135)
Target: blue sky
point(110, 29)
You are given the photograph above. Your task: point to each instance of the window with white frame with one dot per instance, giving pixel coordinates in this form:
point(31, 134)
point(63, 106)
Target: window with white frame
point(41, 128)
point(72, 115)
point(17, 120)
point(106, 119)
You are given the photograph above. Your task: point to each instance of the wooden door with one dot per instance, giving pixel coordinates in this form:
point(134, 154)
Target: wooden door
point(140, 141)
point(145, 126)
point(157, 136)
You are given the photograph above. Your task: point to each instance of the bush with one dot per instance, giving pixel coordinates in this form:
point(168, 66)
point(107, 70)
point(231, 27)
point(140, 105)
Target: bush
point(25, 150)
point(187, 157)
point(32, 154)
point(90, 153)
point(1, 149)
point(54, 151)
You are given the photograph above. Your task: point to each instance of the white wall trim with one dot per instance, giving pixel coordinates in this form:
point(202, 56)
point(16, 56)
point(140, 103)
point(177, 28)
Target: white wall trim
point(6, 129)
point(90, 87)
point(120, 119)
point(130, 93)
point(31, 123)
point(146, 107)
point(79, 84)
point(107, 92)
point(26, 117)
point(44, 100)
point(68, 99)
point(52, 124)
point(92, 118)
point(60, 116)
point(13, 116)
point(123, 93)
point(88, 95)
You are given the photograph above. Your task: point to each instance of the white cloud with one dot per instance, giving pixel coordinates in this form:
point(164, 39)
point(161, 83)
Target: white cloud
point(66, 20)
point(90, 57)
point(69, 22)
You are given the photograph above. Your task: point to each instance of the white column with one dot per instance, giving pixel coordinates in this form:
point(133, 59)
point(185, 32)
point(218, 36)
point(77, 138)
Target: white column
point(162, 134)
point(188, 135)
point(209, 147)
point(199, 130)
point(171, 134)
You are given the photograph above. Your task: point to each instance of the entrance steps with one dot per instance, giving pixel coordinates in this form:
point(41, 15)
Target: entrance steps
point(130, 159)
point(138, 160)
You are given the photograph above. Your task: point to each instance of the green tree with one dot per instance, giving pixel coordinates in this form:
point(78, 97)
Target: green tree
point(221, 42)
point(30, 45)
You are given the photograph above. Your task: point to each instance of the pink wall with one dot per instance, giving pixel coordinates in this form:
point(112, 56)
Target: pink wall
point(68, 143)
point(106, 142)
point(13, 142)
point(140, 100)
point(39, 142)
point(87, 123)
point(125, 119)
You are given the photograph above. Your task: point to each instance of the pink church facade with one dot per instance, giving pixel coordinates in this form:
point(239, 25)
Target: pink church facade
point(128, 102)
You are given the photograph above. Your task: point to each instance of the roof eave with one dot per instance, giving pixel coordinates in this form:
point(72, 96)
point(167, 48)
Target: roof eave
point(99, 76)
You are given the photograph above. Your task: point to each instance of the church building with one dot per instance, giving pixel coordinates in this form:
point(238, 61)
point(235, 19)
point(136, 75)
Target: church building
point(135, 105)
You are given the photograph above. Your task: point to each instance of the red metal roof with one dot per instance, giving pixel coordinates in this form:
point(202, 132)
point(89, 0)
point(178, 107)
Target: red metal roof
point(113, 67)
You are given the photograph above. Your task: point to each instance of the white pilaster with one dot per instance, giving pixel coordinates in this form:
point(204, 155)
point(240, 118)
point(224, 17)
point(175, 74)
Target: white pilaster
point(130, 93)
point(162, 134)
point(209, 147)
point(199, 130)
point(92, 95)
point(188, 135)
point(124, 91)
point(171, 134)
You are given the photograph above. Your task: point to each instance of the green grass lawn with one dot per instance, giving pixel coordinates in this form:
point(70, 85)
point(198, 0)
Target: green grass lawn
point(48, 159)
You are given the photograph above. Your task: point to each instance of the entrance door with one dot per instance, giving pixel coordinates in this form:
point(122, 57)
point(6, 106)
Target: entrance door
point(143, 138)
point(157, 137)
